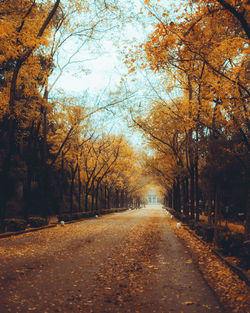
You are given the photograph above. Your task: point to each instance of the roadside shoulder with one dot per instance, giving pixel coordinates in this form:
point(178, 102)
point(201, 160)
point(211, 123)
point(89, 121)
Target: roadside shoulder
point(231, 290)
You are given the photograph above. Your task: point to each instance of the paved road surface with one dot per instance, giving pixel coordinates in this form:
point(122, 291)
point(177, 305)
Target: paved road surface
point(124, 262)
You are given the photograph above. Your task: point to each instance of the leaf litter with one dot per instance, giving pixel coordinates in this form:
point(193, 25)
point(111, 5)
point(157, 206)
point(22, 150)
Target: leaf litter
point(233, 293)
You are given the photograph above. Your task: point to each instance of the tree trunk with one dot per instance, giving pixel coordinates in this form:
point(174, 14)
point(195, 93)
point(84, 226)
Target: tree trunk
point(86, 208)
point(126, 200)
point(109, 191)
point(72, 185)
point(183, 195)
point(192, 191)
point(61, 185)
point(79, 189)
point(27, 192)
point(186, 196)
point(173, 198)
point(197, 195)
point(178, 195)
point(170, 197)
point(247, 206)
point(122, 199)
point(96, 197)
point(71, 194)
point(92, 200)
point(216, 214)
point(105, 198)
point(117, 202)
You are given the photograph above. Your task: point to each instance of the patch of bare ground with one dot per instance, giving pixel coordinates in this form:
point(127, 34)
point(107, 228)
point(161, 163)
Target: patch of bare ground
point(233, 293)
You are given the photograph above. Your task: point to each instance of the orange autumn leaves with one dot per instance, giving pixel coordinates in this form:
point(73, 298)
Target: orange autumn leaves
point(199, 113)
point(44, 131)
point(203, 50)
point(235, 298)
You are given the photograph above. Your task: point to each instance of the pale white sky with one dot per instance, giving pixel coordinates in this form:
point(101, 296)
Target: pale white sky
point(102, 61)
point(100, 67)
point(93, 72)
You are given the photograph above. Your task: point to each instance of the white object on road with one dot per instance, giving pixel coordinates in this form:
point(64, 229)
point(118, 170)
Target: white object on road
point(167, 212)
point(62, 223)
point(96, 216)
point(178, 225)
point(171, 216)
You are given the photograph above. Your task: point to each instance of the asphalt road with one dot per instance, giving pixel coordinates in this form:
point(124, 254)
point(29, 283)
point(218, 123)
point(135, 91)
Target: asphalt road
point(124, 262)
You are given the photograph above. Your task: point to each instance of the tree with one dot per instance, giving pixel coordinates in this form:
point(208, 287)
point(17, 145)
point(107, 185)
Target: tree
point(21, 66)
point(202, 50)
point(32, 34)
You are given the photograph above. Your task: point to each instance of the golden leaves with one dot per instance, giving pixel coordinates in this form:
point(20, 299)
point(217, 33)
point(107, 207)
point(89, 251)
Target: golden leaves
point(188, 303)
point(233, 292)
point(154, 267)
point(204, 59)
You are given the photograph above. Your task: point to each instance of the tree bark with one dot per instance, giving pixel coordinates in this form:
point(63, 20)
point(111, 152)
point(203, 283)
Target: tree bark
point(192, 190)
point(96, 197)
point(86, 208)
point(109, 192)
point(186, 196)
point(216, 213)
point(197, 196)
point(79, 189)
point(239, 15)
point(73, 174)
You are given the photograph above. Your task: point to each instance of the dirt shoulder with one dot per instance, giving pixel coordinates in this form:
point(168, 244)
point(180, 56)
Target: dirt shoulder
point(233, 293)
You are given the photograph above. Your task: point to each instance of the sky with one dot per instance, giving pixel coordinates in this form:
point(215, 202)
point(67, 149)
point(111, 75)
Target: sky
point(98, 68)
point(93, 72)
point(100, 64)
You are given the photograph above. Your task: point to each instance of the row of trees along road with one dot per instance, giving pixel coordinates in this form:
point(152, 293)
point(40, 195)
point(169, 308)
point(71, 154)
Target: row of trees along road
point(51, 157)
point(200, 130)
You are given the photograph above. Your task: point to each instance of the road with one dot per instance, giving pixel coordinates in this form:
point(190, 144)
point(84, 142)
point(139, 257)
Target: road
point(123, 262)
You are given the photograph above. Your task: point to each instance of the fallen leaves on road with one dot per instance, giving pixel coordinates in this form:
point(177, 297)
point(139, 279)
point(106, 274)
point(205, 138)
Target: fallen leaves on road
point(189, 261)
point(123, 285)
point(233, 292)
point(115, 266)
point(188, 303)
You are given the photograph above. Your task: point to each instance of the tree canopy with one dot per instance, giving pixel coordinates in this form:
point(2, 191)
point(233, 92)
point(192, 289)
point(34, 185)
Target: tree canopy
point(56, 157)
